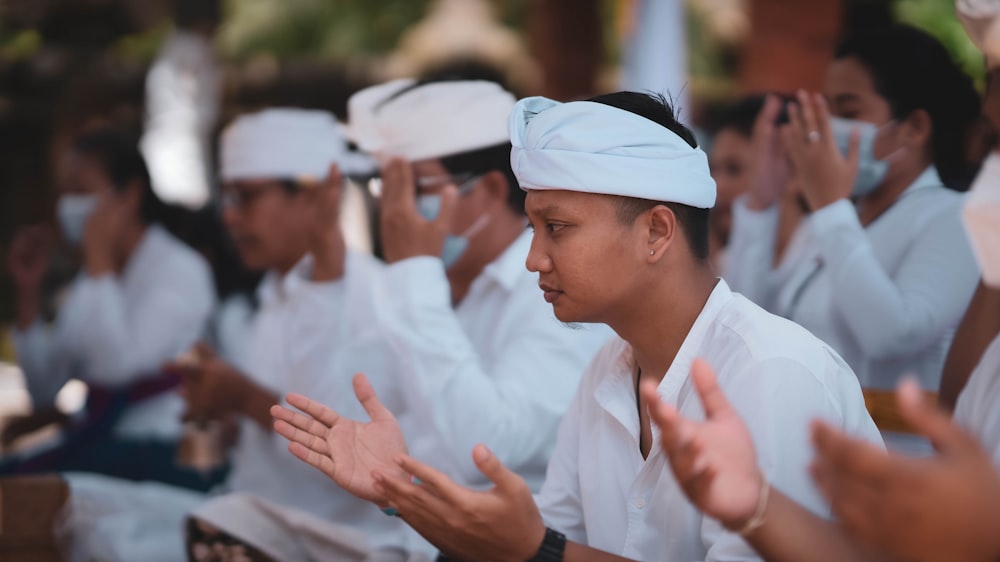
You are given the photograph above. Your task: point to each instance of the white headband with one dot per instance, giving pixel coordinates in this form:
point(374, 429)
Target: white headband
point(430, 121)
point(595, 148)
point(286, 143)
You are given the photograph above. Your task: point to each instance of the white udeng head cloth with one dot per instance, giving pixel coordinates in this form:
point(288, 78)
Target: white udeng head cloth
point(286, 143)
point(595, 148)
point(429, 121)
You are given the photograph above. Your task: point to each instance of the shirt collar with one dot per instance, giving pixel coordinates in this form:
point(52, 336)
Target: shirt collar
point(929, 178)
point(145, 252)
point(509, 266)
point(276, 287)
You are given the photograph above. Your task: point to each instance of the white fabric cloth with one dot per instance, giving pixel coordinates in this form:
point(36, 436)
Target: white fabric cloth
point(287, 143)
point(595, 148)
point(182, 106)
point(750, 256)
point(976, 409)
point(431, 120)
point(888, 297)
point(499, 369)
point(114, 329)
point(601, 492)
point(309, 338)
point(981, 216)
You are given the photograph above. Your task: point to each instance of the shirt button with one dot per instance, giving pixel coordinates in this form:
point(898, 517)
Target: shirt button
point(639, 503)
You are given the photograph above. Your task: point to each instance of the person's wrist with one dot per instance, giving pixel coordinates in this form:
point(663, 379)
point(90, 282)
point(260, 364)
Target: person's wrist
point(97, 261)
point(752, 518)
point(551, 547)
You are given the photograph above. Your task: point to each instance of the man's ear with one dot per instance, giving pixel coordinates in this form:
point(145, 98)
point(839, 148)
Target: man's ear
point(496, 186)
point(662, 227)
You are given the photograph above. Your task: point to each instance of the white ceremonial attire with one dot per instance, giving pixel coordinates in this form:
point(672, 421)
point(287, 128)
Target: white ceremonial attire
point(749, 267)
point(498, 369)
point(114, 329)
point(602, 493)
point(978, 406)
point(310, 338)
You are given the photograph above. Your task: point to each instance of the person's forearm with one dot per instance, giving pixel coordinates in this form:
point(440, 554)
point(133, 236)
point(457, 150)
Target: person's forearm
point(576, 552)
point(979, 326)
point(792, 533)
point(29, 304)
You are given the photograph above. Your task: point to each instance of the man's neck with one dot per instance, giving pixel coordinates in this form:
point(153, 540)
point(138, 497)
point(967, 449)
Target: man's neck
point(657, 327)
point(130, 243)
point(503, 230)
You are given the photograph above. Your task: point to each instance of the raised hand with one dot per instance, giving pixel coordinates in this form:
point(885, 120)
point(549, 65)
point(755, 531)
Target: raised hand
point(823, 173)
point(499, 524)
point(935, 509)
point(29, 257)
point(769, 166)
point(326, 239)
point(406, 234)
point(346, 450)
point(714, 461)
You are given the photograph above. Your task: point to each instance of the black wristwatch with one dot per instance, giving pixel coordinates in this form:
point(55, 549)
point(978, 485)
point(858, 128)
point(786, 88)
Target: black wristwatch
point(552, 549)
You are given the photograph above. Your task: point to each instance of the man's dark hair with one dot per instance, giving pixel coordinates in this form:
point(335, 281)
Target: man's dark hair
point(483, 160)
point(118, 155)
point(656, 108)
point(912, 71)
point(738, 116)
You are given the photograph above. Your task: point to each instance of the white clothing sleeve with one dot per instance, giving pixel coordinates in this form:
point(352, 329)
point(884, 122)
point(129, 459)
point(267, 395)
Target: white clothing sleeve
point(898, 313)
point(38, 357)
point(750, 255)
point(513, 404)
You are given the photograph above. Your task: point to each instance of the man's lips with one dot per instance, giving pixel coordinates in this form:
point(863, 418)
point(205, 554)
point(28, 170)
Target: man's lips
point(551, 293)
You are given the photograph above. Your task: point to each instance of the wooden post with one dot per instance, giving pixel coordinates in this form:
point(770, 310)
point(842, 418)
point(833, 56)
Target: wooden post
point(567, 40)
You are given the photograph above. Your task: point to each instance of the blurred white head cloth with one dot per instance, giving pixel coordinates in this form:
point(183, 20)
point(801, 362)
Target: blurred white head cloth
point(419, 122)
point(981, 19)
point(981, 216)
point(596, 148)
point(287, 143)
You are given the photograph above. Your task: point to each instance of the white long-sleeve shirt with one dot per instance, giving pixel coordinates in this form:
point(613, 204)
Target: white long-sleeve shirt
point(600, 491)
point(311, 338)
point(888, 297)
point(499, 369)
point(114, 329)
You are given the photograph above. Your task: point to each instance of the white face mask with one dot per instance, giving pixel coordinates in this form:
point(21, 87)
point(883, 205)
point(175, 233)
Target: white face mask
point(871, 171)
point(73, 211)
point(981, 216)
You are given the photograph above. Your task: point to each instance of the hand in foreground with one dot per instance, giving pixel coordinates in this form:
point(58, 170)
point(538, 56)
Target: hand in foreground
point(406, 234)
point(347, 451)
point(501, 524)
point(713, 461)
point(941, 508)
point(823, 174)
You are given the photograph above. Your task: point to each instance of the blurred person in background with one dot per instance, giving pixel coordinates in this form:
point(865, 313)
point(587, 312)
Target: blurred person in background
point(313, 328)
point(183, 101)
point(889, 271)
point(142, 298)
point(484, 356)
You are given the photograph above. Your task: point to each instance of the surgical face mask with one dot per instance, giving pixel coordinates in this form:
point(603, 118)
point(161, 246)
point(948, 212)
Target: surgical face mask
point(981, 215)
point(454, 246)
point(73, 211)
point(871, 172)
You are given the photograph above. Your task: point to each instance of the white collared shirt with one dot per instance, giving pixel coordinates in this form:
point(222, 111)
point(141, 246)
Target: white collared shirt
point(499, 369)
point(114, 329)
point(311, 338)
point(977, 407)
point(602, 493)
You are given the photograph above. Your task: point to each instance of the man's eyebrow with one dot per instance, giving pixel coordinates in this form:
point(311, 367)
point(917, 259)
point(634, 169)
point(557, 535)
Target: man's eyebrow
point(546, 210)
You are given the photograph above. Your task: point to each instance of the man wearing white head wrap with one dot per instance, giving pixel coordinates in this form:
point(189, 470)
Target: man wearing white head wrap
point(484, 357)
point(625, 243)
point(311, 333)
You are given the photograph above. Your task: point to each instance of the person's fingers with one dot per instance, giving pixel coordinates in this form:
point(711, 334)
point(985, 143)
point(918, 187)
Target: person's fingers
point(763, 125)
point(409, 497)
point(304, 438)
point(809, 120)
point(854, 149)
point(369, 400)
point(435, 481)
point(449, 200)
point(848, 457)
point(796, 123)
point(712, 399)
point(666, 417)
point(491, 467)
point(930, 420)
point(317, 411)
point(323, 463)
point(792, 141)
point(299, 426)
point(823, 118)
point(397, 184)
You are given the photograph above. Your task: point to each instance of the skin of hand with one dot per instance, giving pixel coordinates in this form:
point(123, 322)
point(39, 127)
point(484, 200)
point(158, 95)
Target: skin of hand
point(326, 239)
point(347, 451)
point(103, 232)
point(823, 173)
point(770, 167)
point(714, 461)
point(212, 388)
point(406, 234)
point(27, 261)
point(500, 524)
point(935, 509)
point(16, 427)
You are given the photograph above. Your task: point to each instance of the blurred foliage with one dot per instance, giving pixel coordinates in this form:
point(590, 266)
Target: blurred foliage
point(937, 17)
